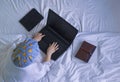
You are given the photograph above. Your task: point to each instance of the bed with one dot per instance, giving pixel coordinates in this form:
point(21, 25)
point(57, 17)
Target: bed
point(97, 21)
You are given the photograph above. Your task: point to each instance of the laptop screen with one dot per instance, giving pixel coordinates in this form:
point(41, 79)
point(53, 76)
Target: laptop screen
point(61, 26)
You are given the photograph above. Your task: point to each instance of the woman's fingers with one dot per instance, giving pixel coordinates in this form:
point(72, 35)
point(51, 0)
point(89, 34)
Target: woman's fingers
point(56, 49)
point(42, 36)
point(54, 45)
point(39, 33)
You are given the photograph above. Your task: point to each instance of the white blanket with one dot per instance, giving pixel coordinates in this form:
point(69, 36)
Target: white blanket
point(84, 15)
point(103, 66)
point(8, 70)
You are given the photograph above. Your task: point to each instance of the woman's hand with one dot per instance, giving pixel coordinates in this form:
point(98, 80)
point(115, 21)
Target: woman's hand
point(38, 36)
point(52, 48)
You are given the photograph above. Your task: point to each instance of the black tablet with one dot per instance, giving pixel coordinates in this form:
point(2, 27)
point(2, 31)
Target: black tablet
point(31, 19)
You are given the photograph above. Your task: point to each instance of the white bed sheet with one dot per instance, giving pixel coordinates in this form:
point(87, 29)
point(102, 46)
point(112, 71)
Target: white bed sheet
point(104, 65)
point(13, 10)
point(86, 16)
point(101, 16)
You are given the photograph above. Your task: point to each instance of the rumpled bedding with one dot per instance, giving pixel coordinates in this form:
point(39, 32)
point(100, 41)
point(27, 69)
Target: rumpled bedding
point(97, 22)
point(103, 66)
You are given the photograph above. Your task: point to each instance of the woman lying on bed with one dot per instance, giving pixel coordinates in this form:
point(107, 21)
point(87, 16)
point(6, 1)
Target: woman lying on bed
point(25, 63)
point(27, 51)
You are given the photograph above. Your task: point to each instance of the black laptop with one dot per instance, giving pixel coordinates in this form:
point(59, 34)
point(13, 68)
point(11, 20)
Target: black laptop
point(57, 30)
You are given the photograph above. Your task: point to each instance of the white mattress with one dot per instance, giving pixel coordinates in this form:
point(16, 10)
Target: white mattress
point(85, 15)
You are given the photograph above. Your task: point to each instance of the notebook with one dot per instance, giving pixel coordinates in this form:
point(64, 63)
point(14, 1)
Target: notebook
point(31, 19)
point(57, 30)
point(85, 51)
